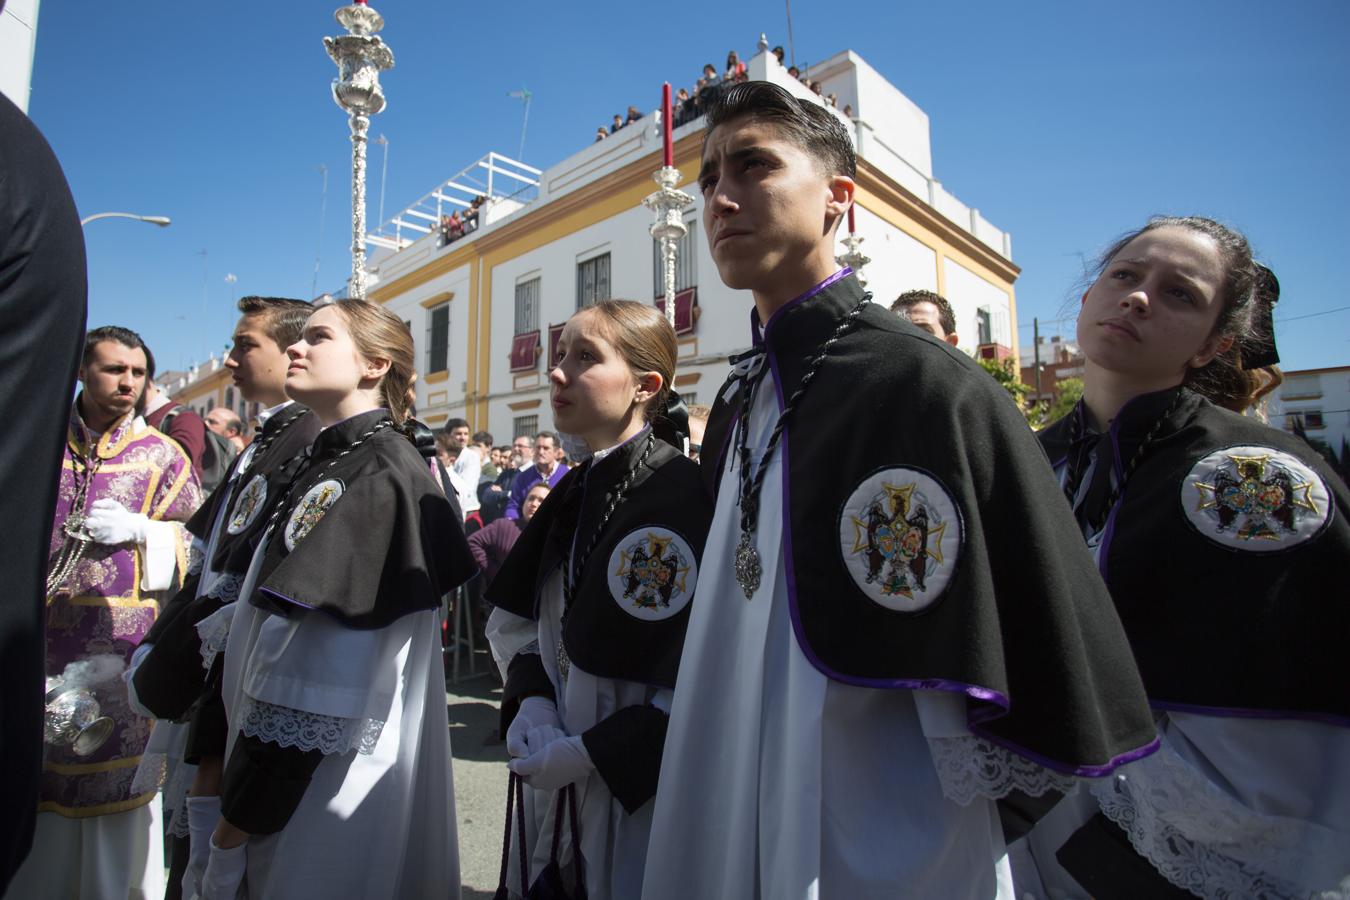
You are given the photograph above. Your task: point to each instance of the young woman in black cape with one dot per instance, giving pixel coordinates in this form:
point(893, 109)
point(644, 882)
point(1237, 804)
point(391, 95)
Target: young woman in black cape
point(593, 601)
point(1217, 536)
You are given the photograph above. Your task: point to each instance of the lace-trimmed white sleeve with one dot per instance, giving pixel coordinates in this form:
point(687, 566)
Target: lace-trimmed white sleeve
point(214, 633)
point(969, 767)
point(1205, 840)
point(286, 727)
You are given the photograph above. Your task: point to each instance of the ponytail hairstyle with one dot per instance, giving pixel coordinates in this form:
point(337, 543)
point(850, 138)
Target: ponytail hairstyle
point(646, 341)
point(1223, 381)
point(379, 334)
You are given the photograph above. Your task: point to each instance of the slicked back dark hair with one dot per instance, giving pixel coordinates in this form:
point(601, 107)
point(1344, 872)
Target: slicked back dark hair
point(124, 336)
point(283, 318)
point(946, 318)
point(807, 124)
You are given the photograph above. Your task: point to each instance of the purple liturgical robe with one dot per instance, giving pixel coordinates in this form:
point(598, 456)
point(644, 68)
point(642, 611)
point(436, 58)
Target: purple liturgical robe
point(103, 610)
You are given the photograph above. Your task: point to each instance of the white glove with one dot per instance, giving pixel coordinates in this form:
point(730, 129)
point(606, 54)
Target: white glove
point(203, 816)
point(224, 872)
point(533, 712)
point(560, 763)
point(109, 522)
point(132, 700)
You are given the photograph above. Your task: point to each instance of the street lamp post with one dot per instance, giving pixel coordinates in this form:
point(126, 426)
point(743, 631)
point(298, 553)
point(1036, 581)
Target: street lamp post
point(360, 56)
point(161, 221)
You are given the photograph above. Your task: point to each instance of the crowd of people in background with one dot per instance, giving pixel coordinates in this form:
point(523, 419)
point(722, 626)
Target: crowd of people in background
point(454, 226)
point(689, 104)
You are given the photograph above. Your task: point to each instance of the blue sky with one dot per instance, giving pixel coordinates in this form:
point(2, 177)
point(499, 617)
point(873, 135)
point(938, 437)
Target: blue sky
point(1064, 123)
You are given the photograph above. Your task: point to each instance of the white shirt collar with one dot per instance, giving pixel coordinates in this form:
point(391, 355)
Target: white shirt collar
point(266, 414)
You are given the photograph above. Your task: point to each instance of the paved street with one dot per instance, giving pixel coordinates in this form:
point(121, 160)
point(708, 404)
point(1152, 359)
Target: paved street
point(480, 779)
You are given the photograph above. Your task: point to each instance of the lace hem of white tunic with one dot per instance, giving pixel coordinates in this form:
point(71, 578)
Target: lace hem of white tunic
point(196, 557)
point(969, 767)
point(214, 632)
point(1205, 841)
point(287, 727)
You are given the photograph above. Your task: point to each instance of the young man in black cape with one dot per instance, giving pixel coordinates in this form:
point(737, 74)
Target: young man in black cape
point(903, 647)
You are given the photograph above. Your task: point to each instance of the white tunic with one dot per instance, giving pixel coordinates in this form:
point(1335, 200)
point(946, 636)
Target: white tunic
point(378, 818)
point(778, 782)
point(613, 842)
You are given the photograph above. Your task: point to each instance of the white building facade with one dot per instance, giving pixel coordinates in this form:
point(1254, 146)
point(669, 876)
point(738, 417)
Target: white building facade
point(483, 308)
point(1320, 399)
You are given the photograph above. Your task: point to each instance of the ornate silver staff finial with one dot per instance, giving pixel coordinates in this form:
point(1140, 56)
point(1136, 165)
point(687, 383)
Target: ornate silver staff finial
point(853, 257)
point(360, 57)
point(669, 204)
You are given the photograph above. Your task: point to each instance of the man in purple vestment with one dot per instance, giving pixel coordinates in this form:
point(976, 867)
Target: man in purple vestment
point(118, 547)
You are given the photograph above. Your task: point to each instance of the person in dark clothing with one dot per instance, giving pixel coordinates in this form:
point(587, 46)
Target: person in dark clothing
point(491, 544)
point(42, 321)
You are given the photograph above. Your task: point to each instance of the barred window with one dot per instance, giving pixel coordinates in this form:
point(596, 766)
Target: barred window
point(438, 338)
point(524, 426)
point(527, 306)
point(593, 280)
point(686, 262)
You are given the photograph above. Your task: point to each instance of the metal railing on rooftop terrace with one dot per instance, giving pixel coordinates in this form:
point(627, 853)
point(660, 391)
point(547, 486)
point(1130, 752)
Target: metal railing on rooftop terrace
point(494, 177)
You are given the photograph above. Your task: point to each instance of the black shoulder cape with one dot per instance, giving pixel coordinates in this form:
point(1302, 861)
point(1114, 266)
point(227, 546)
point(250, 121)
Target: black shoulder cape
point(1223, 558)
point(365, 534)
point(170, 678)
point(631, 605)
point(927, 544)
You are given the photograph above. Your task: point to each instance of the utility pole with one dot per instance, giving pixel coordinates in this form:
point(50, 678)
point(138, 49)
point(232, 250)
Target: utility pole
point(1036, 353)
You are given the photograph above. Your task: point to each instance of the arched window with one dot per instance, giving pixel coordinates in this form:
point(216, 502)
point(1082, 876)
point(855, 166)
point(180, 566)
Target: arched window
point(229, 397)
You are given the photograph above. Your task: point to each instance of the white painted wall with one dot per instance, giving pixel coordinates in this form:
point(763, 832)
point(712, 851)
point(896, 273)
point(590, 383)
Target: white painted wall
point(899, 262)
point(408, 306)
point(1327, 392)
point(18, 45)
point(967, 292)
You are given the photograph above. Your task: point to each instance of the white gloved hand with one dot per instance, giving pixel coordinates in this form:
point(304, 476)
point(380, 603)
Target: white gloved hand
point(109, 522)
point(224, 872)
point(533, 712)
point(560, 763)
point(203, 816)
point(133, 701)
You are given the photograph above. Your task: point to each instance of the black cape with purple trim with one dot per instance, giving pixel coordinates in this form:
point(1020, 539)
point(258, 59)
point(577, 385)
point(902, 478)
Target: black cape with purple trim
point(382, 543)
point(170, 678)
point(599, 636)
point(1222, 629)
point(1024, 626)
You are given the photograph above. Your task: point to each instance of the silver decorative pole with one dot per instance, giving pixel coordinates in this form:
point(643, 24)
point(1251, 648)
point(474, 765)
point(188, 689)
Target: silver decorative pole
point(360, 57)
point(853, 257)
point(669, 204)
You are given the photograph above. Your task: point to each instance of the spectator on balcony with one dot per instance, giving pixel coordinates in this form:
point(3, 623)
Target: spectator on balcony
point(735, 68)
point(778, 54)
point(815, 88)
point(617, 124)
point(848, 110)
point(601, 133)
point(795, 72)
point(710, 77)
point(633, 115)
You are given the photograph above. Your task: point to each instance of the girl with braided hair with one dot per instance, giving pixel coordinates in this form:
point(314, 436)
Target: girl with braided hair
point(336, 779)
point(592, 605)
point(1214, 534)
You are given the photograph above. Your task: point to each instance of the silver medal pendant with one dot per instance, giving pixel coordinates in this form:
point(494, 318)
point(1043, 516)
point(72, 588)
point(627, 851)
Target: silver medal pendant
point(748, 569)
point(564, 662)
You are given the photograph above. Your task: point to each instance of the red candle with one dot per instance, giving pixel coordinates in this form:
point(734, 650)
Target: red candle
point(851, 228)
point(667, 126)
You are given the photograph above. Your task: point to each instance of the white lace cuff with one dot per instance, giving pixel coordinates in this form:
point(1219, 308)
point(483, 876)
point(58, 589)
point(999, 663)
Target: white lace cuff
point(223, 587)
point(969, 767)
point(286, 727)
point(214, 633)
point(196, 556)
point(1205, 841)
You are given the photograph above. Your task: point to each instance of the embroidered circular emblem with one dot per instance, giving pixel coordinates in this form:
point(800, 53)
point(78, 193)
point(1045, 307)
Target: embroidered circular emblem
point(248, 505)
point(1255, 498)
point(900, 537)
point(310, 510)
point(652, 573)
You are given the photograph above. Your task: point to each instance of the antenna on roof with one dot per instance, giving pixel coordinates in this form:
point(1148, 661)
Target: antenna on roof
point(522, 94)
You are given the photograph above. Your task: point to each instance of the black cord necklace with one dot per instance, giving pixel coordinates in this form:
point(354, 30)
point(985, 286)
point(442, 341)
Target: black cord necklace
point(295, 479)
point(571, 572)
point(1075, 474)
point(749, 571)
